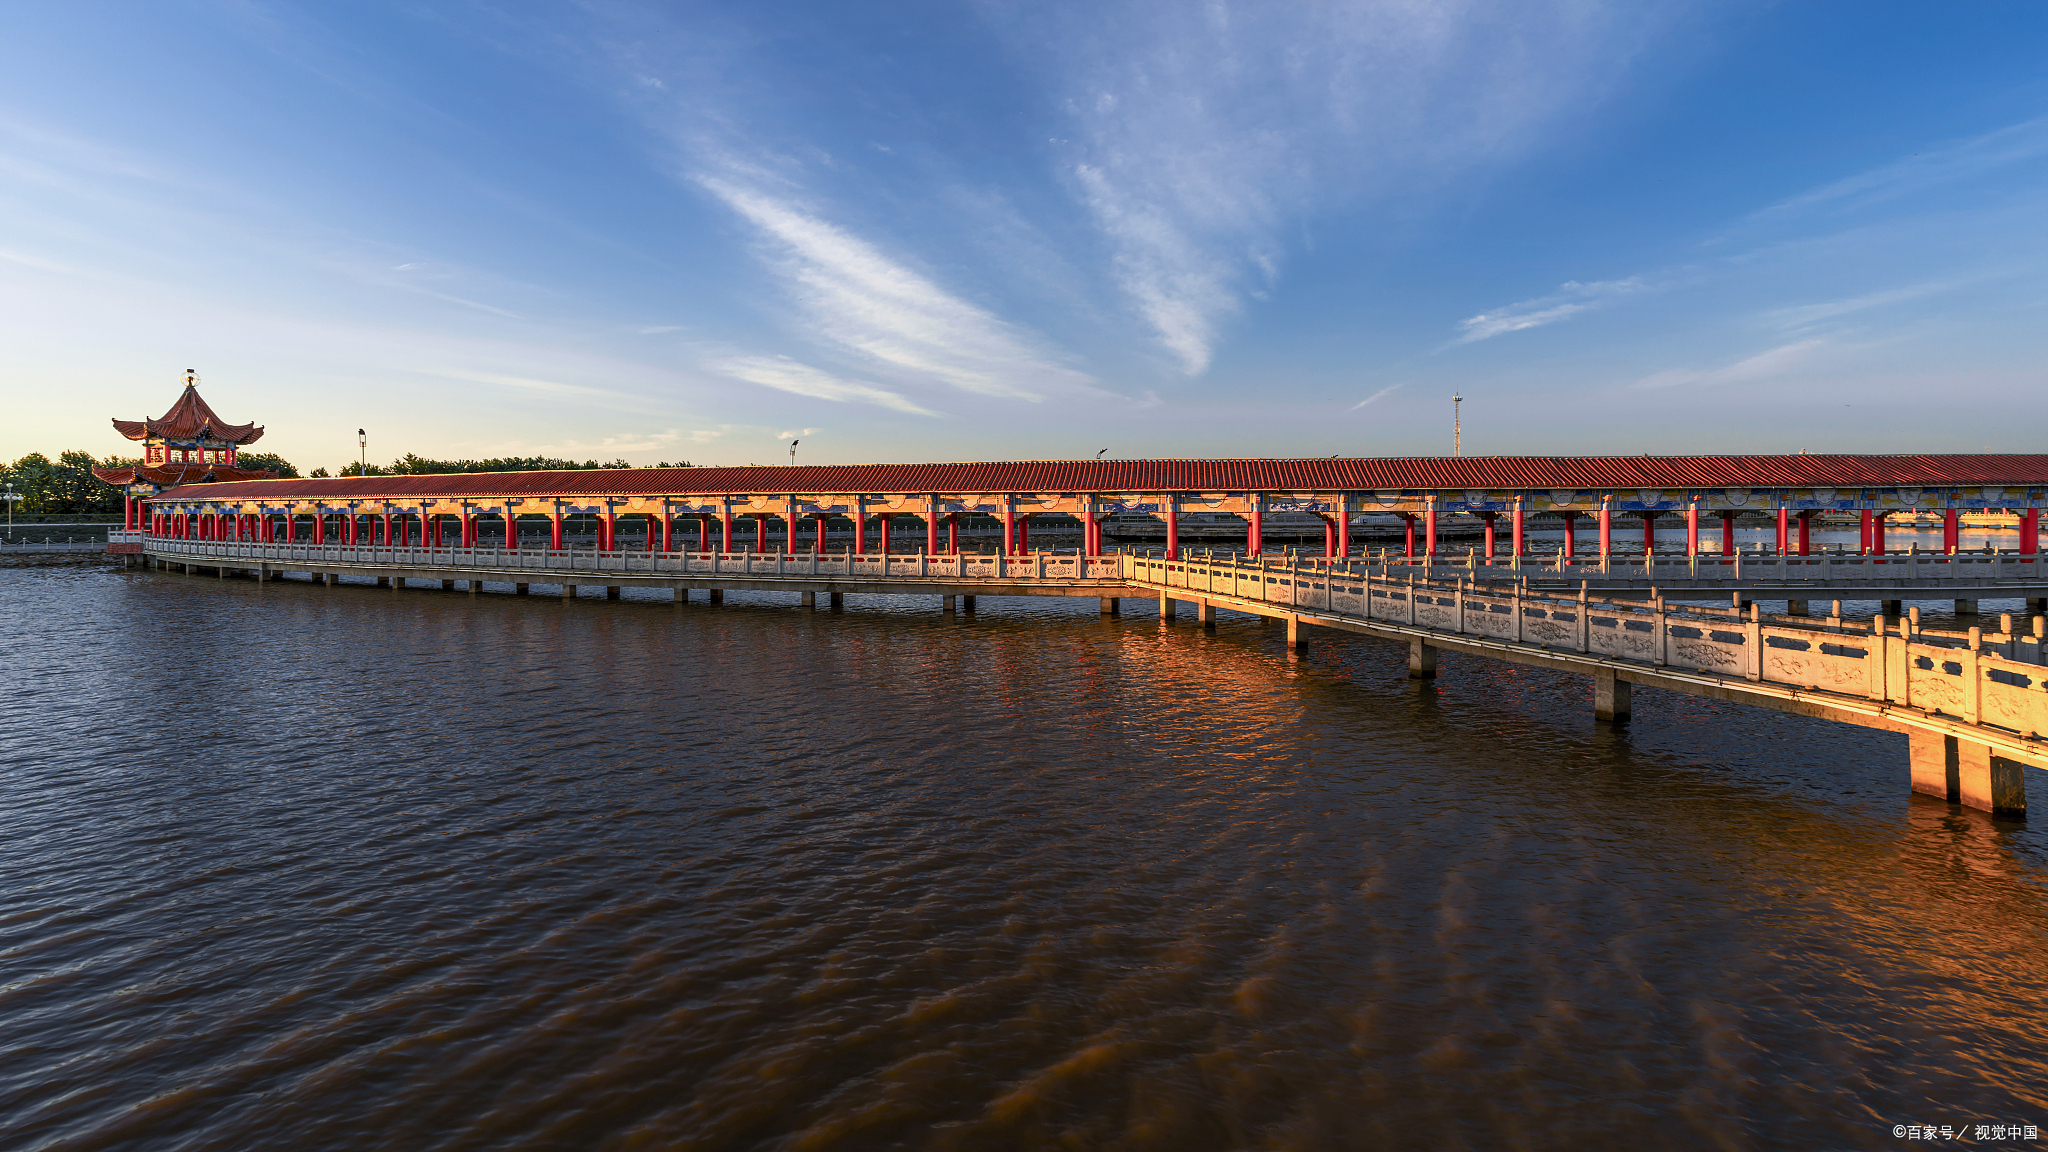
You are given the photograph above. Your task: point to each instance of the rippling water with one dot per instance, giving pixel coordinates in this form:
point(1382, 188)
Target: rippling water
point(306, 868)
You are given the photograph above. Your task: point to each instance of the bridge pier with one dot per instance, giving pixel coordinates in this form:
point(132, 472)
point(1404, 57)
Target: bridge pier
point(475, 587)
point(1966, 607)
point(1891, 607)
point(2037, 606)
point(1166, 606)
point(1797, 608)
point(810, 600)
point(1205, 613)
point(1421, 660)
point(447, 585)
point(611, 591)
point(385, 582)
point(397, 582)
point(519, 589)
point(967, 603)
point(1967, 773)
point(1613, 697)
point(1294, 640)
point(568, 591)
point(1109, 605)
point(717, 596)
point(947, 605)
point(838, 600)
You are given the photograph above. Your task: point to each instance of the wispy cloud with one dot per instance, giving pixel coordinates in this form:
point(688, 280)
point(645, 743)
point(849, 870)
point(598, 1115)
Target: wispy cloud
point(1762, 366)
point(1570, 299)
point(866, 302)
point(1804, 315)
point(787, 375)
point(1201, 133)
point(1379, 395)
point(1969, 159)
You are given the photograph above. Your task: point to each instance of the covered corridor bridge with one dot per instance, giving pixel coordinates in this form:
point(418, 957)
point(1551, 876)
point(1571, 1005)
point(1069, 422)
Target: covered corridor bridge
point(699, 507)
point(1973, 702)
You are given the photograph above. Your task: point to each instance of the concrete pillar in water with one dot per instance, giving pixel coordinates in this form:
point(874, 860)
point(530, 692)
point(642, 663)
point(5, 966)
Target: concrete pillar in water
point(475, 586)
point(1891, 607)
point(1205, 613)
point(1797, 608)
point(519, 589)
point(383, 581)
point(1966, 607)
point(1611, 697)
point(447, 585)
point(838, 601)
point(611, 591)
point(1421, 660)
point(568, 591)
point(1932, 758)
point(2037, 606)
point(1294, 639)
point(1166, 606)
point(1109, 606)
point(679, 596)
point(1988, 782)
point(947, 605)
point(718, 595)
point(967, 603)
point(810, 600)
point(397, 582)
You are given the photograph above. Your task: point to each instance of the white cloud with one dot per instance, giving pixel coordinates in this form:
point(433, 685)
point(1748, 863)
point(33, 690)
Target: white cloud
point(1805, 314)
point(861, 299)
point(1381, 394)
point(1762, 366)
point(1568, 301)
point(1201, 132)
point(1967, 160)
point(780, 372)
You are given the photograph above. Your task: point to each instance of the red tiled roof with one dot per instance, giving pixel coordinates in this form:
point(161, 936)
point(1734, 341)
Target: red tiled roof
point(1145, 476)
point(189, 419)
point(172, 475)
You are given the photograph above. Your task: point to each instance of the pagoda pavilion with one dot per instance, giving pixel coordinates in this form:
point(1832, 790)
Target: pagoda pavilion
point(186, 445)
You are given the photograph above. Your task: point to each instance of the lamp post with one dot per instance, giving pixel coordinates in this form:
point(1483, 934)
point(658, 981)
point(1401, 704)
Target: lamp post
point(363, 446)
point(792, 451)
point(12, 497)
point(1457, 447)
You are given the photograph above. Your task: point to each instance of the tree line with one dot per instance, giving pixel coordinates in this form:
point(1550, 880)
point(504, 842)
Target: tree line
point(66, 486)
point(411, 465)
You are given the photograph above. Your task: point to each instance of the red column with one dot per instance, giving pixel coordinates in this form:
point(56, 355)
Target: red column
point(1254, 530)
point(1429, 532)
point(1408, 520)
point(1649, 534)
point(1877, 533)
point(1863, 532)
point(511, 529)
point(1009, 531)
point(882, 533)
point(953, 533)
point(1329, 536)
point(319, 527)
point(860, 529)
point(1172, 530)
point(668, 531)
point(1516, 529)
point(1805, 524)
point(1784, 530)
point(1024, 535)
point(931, 530)
point(1692, 530)
point(1487, 517)
point(1951, 531)
point(1606, 515)
point(387, 528)
point(1727, 535)
point(725, 531)
point(2030, 532)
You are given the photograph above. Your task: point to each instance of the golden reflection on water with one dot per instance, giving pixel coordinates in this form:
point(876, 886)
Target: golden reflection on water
point(517, 873)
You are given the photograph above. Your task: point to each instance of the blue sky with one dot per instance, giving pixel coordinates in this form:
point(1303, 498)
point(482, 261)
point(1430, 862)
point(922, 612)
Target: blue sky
point(1004, 231)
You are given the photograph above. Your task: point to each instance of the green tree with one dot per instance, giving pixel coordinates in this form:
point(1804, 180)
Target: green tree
point(271, 461)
